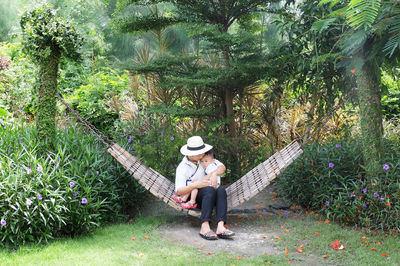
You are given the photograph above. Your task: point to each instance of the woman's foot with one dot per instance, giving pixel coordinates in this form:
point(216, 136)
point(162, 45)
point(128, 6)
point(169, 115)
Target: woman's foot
point(222, 232)
point(206, 232)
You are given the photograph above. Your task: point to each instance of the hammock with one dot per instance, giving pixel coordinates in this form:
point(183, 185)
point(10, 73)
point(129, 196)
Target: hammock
point(237, 193)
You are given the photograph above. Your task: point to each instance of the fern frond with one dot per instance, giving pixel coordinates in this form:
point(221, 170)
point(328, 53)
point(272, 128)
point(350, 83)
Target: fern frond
point(322, 24)
point(394, 40)
point(362, 13)
point(332, 2)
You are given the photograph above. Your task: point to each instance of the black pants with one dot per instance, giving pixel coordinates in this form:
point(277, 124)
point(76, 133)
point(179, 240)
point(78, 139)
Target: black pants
point(207, 199)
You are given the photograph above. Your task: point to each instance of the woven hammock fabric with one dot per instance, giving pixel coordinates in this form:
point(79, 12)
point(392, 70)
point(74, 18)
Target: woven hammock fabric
point(240, 191)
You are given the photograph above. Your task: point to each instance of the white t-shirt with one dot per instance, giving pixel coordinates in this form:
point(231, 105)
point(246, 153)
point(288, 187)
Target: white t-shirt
point(187, 171)
point(212, 167)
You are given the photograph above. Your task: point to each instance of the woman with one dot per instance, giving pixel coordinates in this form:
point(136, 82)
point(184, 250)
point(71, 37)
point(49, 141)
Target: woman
point(190, 175)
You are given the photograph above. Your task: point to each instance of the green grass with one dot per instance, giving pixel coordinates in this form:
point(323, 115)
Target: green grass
point(112, 245)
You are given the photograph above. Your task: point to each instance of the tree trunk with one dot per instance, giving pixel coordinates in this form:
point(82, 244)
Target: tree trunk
point(46, 113)
point(369, 97)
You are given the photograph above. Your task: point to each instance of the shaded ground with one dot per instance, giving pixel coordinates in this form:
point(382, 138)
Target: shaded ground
point(250, 222)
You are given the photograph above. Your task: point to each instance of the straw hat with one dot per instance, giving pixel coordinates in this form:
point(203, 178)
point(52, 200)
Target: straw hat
point(195, 146)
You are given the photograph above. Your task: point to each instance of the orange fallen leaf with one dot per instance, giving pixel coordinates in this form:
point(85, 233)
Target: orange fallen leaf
point(287, 230)
point(286, 250)
point(147, 237)
point(361, 244)
point(133, 238)
point(301, 246)
point(282, 226)
point(277, 237)
point(316, 233)
point(379, 243)
point(353, 70)
point(266, 227)
point(372, 248)
point(195, 240)
point(327, 221)
point(385, 255)
point(300, 250)
point(286, 255)
point(265, 253)
point(325, 256)
point(265, 237)
point(131, 220)
point(235, 224)
point(364, 237)
point(262, 204)
point(295, 217)
point(209, 253)
point(238, 258)
point(270, 214)
point(202, 246)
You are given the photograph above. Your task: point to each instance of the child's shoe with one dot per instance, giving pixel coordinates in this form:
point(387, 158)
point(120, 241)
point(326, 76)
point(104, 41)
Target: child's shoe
point(188, 205)
point(178, 199)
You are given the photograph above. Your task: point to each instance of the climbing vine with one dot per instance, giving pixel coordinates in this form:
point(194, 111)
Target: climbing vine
point(46, 38)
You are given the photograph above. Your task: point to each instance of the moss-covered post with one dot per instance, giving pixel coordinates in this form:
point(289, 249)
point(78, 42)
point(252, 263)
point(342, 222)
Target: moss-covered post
point(369, 98)
point(47, 38)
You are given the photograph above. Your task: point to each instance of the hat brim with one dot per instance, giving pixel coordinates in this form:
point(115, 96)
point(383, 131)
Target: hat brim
point(187, 152)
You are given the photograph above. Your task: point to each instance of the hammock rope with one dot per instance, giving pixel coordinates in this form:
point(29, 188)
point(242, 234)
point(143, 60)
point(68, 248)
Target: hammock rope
point(240, 191)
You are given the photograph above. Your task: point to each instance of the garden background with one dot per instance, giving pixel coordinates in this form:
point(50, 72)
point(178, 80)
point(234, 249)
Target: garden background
point(248, 76)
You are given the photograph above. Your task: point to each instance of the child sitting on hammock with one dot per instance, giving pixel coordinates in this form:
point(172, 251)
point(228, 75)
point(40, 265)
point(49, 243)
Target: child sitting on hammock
point(209, 164)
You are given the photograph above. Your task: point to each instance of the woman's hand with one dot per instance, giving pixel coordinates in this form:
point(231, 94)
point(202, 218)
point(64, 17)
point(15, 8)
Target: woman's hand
point(200, 183)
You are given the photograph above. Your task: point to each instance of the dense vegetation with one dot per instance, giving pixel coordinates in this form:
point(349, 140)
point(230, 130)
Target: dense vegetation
point(249, 76)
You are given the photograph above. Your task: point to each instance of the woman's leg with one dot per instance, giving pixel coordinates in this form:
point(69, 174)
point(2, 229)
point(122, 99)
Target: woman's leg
point(206, 200)
point(222, 204)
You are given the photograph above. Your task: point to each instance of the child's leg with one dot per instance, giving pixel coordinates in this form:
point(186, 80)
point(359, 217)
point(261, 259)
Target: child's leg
point(193, 195)
point(185, 197)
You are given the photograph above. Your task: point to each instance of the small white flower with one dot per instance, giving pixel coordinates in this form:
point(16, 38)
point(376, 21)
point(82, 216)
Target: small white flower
point(28, 202)
point(40, 168)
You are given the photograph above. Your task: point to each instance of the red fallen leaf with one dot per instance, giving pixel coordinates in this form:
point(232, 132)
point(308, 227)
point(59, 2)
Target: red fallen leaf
point(316, 233)
point(265, 237)
point(295, 217)
point(325, 256)
point(372, 248)
point(225, 225)
point(202, 246)
point(209, 253)
point(238, 258)
point(379, 243)
point(385, 255)
point(337, 246)
point(266, 227)
point(340, 57)
point(286, 255)
point(131, 220)
point(327, 221)
point(287, 230)
point(300, 250)
point(262, 204)
point(235, 224)
point(147, 237)
point(133, 238)
point(282, 226)
point(286, 250)
point(340, 14)
point(353, 70)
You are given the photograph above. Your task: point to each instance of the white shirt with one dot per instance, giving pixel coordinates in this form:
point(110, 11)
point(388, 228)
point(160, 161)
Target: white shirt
point(187, 172)
point(212, 167)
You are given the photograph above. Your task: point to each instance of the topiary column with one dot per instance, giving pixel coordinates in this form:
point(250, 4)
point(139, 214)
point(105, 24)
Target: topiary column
point(47, 38)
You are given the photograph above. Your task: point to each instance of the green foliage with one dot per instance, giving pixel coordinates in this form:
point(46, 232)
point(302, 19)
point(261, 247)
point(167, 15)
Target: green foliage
point(66, 193)
point(95, 99)
point(331, 180)
point(44, 31)
point(390, 97)
point(362, 13)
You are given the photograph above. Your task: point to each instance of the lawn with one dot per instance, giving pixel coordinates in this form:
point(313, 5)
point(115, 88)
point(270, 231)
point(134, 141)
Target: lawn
point(139, 243)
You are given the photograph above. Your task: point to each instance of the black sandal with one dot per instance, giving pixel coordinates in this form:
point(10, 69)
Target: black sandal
point(227, 234)
point(209, 236)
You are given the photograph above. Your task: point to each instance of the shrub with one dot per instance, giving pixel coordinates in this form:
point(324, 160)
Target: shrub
point(330, 179)
point(66, 193)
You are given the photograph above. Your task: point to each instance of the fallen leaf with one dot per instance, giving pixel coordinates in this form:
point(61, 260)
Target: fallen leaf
point(133, 238)
point(209, 253)
point(325, 256)
point(235, 224)
point(195, 240)
point(372, 248)
point(282, 226)
point(238, 258)
point(266, 227)
point(295, 217)
point(277, 237)
point(131, 220)
point(379, 243)
point(286, 250)
point(300, 250)
point(353, 70)
point(385, 255)
point(327, 221)
point(301, 246)
point(287, 230)
point(265, 237)
point(202, 246)
point(316, 233)
point(141, 254)
point(225, 225)
point(364, 237)
point(265, 253)
point(147, 237)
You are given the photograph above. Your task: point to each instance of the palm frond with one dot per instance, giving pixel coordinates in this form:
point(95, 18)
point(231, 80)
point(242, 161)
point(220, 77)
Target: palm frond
point(394, 40)
point(362, 13)
point(332, 2)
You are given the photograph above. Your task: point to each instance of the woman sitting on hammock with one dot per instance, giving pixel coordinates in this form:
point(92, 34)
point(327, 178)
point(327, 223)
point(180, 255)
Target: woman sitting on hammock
point(190, 176)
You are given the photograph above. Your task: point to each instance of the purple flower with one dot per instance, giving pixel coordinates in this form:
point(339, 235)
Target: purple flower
point(28, 171)
point(97, 172)
point(3, 223)
point(123, 135)
point(171, 138)
point(84, 200)
point(40, 168)
point(352, 195)
point(376, 195)
point(75, 194)
point(39, 197)
point(364, 190)
point(336, 185)
point(286, 212)
point(327, 203)
point(386, 167)
point(71, 184)
point(337, 145)
point(28, 202)
point(382, 198)
point(364, 205)
point(331, 165)
point(129, 140)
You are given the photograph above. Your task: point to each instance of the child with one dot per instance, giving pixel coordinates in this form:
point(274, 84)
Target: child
point(210, 164)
